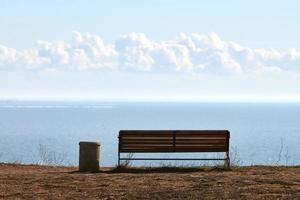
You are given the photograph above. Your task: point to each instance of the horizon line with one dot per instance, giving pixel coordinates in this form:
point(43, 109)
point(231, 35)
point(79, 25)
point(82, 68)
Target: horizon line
point(157, 100)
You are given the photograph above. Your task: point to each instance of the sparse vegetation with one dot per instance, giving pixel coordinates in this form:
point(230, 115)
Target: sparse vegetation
point(235, 159)
point(283, 153)
point(48, 157)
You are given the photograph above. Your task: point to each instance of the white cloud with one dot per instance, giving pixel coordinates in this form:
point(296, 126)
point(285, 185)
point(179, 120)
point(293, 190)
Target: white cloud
point(195, 53)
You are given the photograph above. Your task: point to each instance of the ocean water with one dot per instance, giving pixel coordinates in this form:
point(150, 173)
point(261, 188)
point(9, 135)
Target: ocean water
point(261, 133)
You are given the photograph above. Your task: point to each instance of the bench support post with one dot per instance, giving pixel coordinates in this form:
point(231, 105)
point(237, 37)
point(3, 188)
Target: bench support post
point(227, 161)
point(119, 147)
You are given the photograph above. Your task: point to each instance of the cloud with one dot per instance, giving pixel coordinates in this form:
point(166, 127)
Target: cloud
point(191, 53)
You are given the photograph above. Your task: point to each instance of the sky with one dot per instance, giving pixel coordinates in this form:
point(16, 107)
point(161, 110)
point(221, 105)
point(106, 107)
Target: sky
point(150, 50)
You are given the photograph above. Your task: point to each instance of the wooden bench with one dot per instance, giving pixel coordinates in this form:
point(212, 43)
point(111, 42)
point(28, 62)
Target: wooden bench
point(174, 141)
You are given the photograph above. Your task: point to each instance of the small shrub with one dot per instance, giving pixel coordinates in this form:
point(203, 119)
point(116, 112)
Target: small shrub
point(48, 157)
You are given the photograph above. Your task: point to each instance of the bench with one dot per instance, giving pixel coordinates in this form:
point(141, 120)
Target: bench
point(174, 141)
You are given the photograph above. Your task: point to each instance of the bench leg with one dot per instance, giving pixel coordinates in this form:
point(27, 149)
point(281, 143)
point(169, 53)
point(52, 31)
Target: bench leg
point(227, 161)
point(118, 159)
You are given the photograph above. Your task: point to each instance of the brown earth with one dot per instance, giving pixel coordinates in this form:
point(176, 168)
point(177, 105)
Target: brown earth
point(44, 182)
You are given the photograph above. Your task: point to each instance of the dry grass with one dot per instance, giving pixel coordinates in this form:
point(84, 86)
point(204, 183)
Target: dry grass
point(42, 182)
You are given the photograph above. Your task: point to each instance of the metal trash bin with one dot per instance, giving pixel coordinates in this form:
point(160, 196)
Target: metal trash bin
point(89, 156)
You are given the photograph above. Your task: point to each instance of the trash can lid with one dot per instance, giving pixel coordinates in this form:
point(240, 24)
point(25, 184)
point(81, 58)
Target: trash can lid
point(89, 143)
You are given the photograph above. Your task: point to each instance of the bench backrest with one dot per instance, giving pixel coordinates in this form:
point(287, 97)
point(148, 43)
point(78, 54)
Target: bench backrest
point(145, 141)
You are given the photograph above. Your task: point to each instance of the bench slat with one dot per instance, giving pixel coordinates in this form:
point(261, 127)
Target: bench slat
point(148, 142)
point(146, 138)
point(169, 150)
point(191, 142)
point(181, 147)
point(206, 135)
point(158, 133)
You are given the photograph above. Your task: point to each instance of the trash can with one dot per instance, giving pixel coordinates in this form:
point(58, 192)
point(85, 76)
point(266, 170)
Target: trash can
point(89, 156)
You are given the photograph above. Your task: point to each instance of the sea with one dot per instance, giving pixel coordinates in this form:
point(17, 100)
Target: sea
point(49, 132)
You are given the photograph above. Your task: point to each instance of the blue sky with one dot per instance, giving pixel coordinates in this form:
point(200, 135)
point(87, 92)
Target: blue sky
point(157, 50)
point(253, 23)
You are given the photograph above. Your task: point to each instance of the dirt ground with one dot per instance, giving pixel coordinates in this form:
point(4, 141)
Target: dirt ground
point(44, 182)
